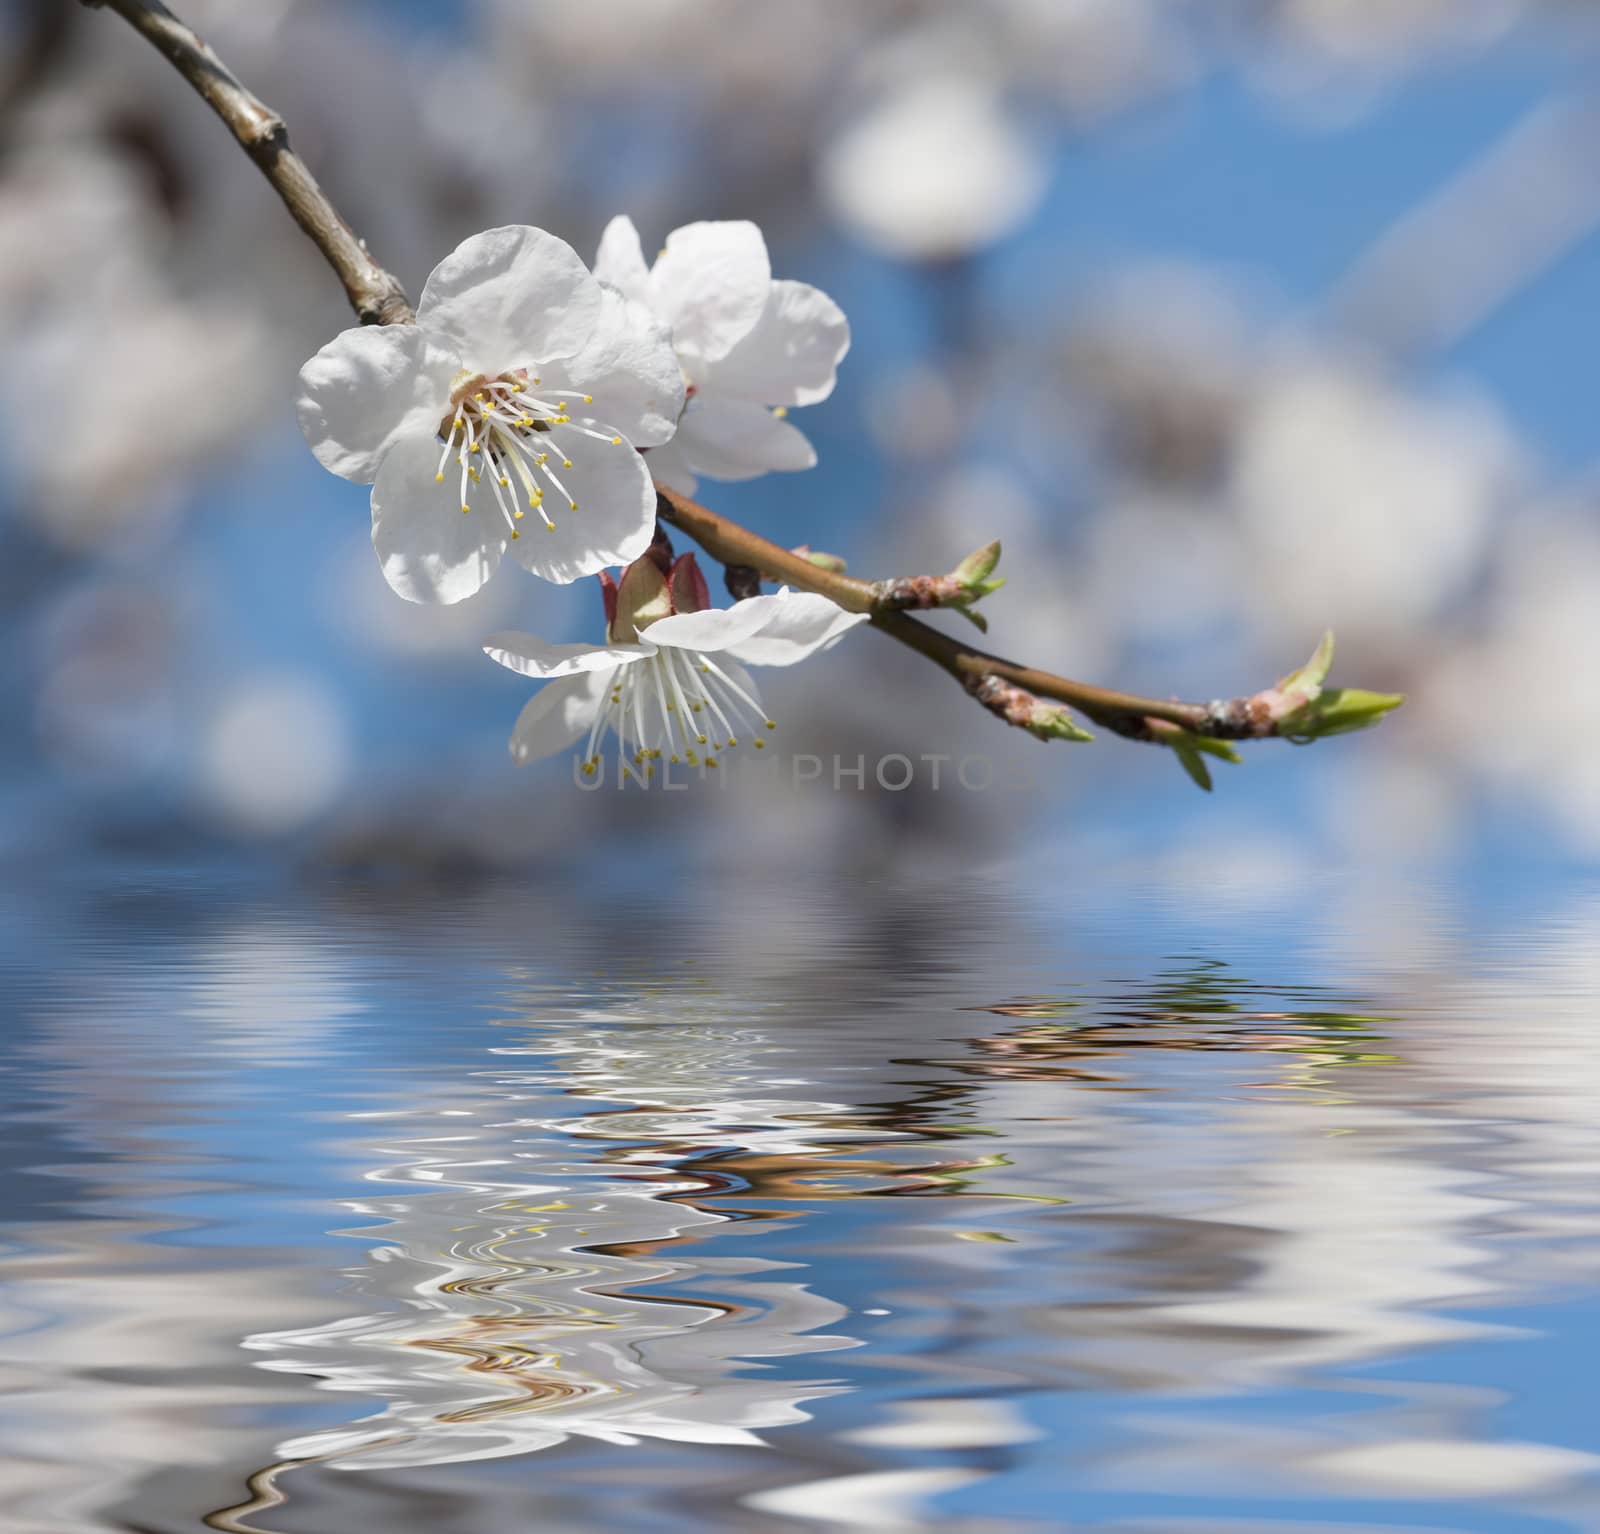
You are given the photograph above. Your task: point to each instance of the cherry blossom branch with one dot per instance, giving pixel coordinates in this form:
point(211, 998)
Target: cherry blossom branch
point(1297, 708)
point(1009, 690)
point(375, 294)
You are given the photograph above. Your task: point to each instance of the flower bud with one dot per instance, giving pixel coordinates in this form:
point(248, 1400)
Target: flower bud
point(1338, 711)
point(1049, 722)
point(975, 574)
point(688, 586)
point(642, 597)
point(1308, 680)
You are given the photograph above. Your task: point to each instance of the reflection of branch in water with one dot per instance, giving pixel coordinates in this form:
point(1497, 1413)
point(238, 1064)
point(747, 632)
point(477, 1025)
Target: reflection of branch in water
point(265, 1495)
point(1200, 1007)
point(544, 1218)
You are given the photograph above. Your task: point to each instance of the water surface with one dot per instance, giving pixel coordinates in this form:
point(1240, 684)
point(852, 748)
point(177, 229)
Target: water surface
point(738, 1206)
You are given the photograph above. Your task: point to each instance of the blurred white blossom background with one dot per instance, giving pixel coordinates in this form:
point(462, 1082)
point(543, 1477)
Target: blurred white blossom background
point(1233, 321)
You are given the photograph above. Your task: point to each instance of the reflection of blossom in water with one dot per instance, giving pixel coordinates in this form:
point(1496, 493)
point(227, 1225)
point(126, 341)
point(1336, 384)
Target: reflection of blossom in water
point(511, 1276)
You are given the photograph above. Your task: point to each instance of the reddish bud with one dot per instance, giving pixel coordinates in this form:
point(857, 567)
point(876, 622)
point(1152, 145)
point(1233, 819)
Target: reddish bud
point(690, 593)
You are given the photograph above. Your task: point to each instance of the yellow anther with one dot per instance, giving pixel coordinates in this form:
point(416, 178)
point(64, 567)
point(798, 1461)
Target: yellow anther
point(538, 380)
point(504, 480)
point(781, 412)
point(588, 399)
point(701, 739)
point(465, 508)
point(438, 478)
point(676, 759)
point(572, 504)
point(772, 724)
point(566, 463)
point(760, 744)
point(517, 387)
point(515, 533)
point(588, 769)
point(732, 742)
point(616, 442)
point(711, 761)
point(549, 527)
point(519, 514)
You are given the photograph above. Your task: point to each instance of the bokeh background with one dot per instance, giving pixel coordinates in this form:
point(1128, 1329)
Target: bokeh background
point(1234, 319)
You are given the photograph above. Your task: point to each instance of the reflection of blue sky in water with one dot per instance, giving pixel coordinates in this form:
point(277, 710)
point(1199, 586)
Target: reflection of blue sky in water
point(1112, 1211)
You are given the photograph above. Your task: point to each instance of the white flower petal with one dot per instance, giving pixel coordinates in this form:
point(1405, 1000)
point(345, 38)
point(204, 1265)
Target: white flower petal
point(556, 717)
point(791, 357)
point(717, 628)
point(668, 465)
point(799, 624)
point(369, 387)
point(429, 551)
point(510, 297)
point(735, 439)
point(628, 365)
point(620, 260)
point(528, 655)
point(615, 517)
point(710, 286)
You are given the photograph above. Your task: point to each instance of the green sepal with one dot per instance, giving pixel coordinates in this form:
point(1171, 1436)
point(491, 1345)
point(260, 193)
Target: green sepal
point(1190, 749)
point(829, 562)
point(1051, 723)
point(975, 618)
point(1338, 711)
point(975, 570)
point(1309, 679)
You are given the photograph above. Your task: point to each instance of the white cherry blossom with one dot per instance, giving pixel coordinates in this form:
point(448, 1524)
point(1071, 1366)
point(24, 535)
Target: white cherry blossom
point(669, 680)
point(515, 402)
point(935, 170)
point(750, 347)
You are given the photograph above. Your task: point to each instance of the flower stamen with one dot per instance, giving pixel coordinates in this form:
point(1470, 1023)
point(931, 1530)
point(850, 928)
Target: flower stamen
point(498, 421)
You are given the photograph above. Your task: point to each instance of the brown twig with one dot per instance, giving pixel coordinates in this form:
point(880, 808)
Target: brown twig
point(1125, 713)
point(1006, 689)
point(375, 294)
